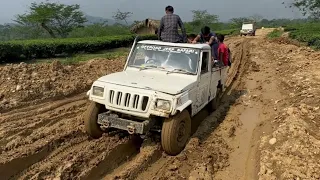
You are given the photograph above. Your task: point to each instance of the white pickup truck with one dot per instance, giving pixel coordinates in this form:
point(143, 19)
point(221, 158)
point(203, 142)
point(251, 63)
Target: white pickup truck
point(161, 87)
point(248, 29)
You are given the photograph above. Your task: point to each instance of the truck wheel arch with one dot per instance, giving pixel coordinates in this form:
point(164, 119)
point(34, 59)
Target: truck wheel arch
point(187, 105)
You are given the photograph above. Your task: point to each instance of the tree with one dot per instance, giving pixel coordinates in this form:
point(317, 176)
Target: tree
point(256, 18)
point(202, 18)
point(54, 18)
point(309, 8)
point(122, 16)
point(237, 22)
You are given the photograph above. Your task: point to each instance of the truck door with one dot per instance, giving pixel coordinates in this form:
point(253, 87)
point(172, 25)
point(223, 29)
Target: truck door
point(204, 82)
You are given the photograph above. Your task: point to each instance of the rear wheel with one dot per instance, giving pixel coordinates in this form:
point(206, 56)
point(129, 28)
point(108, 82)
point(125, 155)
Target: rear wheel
point(92, 128)
point(176, 132)
point(216, 100)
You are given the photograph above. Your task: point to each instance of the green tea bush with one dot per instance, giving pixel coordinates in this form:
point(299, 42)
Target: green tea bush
point(308, 33)
point(46, 48)
point(275, 34)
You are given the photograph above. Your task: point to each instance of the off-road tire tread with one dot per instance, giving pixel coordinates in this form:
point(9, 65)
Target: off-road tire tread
point(216, 101)
point(169, 133)
point(90, 120)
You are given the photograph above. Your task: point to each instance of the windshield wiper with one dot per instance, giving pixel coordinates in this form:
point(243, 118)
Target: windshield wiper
point(147, 66)
point(180, 71)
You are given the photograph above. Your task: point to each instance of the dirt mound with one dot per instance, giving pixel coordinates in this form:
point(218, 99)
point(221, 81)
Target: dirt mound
point(286, 41)
point(292, 150)
point(26, 84)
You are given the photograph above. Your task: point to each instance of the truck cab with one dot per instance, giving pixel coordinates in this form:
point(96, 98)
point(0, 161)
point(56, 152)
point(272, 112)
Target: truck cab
point(248, 28)
point(163, 85)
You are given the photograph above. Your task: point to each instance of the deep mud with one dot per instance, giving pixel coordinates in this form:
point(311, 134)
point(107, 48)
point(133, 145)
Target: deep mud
point(28, 84)
point(267, 126)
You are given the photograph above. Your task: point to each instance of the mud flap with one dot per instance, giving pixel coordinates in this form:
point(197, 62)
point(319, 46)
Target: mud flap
point(108, 120)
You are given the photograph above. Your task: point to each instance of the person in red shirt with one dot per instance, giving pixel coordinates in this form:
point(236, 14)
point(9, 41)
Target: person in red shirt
point(223, 54)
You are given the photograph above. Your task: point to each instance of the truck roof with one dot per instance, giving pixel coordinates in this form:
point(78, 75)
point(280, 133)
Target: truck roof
point(185, 45)
point(248, 22)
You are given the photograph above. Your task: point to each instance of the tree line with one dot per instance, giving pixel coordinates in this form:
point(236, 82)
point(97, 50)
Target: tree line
point(56, 20)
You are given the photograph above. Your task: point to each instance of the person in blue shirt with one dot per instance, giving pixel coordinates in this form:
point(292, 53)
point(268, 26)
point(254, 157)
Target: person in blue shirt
point(206, 36)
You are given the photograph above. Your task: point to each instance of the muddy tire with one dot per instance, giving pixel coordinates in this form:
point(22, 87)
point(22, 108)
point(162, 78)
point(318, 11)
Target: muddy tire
point(90, 120)
point(216, 101)
point(175, 133)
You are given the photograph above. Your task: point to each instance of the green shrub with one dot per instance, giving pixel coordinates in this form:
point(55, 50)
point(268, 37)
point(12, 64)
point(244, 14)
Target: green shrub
point(46, 48)
point(275, 34)
point(228, 32)
point(307, 32)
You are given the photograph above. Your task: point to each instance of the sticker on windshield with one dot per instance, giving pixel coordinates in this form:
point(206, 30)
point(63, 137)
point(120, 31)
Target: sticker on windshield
point(168, 49)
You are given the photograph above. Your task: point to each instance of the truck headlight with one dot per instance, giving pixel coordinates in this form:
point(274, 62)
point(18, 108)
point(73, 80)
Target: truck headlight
point(163, 104)
point(97, 91)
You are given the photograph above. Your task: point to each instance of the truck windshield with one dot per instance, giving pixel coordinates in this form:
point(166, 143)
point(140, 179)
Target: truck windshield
point(247, 26)
point(165, 58)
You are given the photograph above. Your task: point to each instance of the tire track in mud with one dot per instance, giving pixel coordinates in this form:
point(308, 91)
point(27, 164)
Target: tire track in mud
point(48, 141)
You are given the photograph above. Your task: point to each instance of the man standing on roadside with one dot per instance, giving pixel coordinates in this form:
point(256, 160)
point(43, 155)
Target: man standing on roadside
point(168, 30)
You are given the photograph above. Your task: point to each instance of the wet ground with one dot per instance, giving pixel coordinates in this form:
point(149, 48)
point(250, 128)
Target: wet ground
point(266, 128)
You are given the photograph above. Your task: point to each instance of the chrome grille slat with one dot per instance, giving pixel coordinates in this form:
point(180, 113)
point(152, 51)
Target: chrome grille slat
point(127, 100)
point(135, 102)
point(140, 102)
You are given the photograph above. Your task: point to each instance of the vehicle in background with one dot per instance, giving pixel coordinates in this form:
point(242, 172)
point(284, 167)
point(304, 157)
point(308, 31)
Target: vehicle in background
point(248, 28)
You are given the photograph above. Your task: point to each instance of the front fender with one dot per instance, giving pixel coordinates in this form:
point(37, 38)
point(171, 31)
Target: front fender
point(183, 106)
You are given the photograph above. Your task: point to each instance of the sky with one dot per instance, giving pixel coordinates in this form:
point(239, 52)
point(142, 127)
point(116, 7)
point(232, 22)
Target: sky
point(142, 9)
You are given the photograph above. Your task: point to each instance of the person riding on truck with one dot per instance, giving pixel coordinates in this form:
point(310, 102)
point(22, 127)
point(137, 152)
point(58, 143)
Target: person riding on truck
point(191, 37)
point(206, 36)
point(223, 51)
point(168, 29)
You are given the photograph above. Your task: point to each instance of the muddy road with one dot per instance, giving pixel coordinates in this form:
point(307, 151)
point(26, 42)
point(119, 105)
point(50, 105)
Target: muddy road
point(267, 126)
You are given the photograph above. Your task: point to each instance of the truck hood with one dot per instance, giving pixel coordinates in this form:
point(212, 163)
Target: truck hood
point(171, 83)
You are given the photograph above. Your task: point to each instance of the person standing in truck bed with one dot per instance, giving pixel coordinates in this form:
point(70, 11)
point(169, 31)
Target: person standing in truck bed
point(223, 51)
point(168, 30)
point(206, 36)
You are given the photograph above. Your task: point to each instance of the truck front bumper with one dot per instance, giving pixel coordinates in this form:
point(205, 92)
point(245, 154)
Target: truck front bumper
point(109, 120)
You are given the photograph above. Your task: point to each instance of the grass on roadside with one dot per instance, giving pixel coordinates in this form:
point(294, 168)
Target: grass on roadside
point(275, 34)
point(107, 54)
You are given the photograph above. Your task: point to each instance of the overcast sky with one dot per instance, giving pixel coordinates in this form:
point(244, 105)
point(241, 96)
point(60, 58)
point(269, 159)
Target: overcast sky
point(143, 9)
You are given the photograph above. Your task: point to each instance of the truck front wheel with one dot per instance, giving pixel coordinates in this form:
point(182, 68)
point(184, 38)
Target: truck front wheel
point(175, 133)
point(90, 120)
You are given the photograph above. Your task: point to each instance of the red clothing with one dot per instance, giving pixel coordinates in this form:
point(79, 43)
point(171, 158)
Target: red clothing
point(223, 49)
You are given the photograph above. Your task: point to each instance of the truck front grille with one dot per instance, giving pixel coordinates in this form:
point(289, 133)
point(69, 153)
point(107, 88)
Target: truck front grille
point(128, 100)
